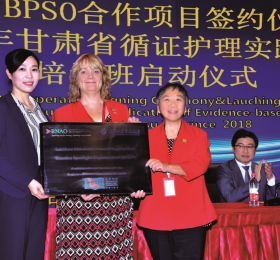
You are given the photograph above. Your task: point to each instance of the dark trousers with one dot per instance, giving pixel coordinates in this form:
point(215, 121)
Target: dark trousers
point(23, 224)
point(180, 244)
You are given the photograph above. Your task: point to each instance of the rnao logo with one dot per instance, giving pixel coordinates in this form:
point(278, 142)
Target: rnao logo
point(103, 131)
point(56, 131)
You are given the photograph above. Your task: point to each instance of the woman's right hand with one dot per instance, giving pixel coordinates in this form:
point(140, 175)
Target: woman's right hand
point(37, 190)
point(88, 197)
point(133, 120)
point(156, 165)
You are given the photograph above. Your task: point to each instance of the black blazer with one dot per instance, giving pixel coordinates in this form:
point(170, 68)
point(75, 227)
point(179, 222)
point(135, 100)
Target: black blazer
point(232, 187)
point(18, 156)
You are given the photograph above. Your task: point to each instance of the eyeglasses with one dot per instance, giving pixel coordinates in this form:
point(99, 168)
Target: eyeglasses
point(249, 147)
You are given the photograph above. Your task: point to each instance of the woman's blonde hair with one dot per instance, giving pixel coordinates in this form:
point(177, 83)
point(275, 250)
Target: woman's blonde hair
point(94, 63)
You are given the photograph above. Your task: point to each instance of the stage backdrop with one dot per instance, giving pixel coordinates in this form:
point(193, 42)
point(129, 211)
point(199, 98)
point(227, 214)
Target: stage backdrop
point(225, 53)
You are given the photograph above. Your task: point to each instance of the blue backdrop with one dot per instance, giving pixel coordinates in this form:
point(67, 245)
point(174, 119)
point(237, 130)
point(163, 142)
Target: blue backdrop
point(226, 55)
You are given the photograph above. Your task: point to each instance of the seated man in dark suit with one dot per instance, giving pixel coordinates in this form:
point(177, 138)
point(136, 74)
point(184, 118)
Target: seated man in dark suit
point(234, 175)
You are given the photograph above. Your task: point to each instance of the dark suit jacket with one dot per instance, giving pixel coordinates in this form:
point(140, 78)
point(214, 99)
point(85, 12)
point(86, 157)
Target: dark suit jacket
point(232, 187)
point(18, 156)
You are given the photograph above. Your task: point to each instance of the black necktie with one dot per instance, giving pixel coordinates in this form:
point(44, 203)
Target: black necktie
point(247, 176)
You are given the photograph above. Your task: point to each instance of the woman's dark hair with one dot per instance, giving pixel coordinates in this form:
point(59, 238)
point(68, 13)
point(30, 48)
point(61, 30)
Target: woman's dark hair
point(173, 86)
point(15, 58)
point(242, 133)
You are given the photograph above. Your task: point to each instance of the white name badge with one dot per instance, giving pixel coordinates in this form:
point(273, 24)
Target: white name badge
point(169, 186)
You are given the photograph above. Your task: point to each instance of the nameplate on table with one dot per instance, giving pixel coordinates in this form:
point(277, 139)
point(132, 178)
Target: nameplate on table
point(88, 158)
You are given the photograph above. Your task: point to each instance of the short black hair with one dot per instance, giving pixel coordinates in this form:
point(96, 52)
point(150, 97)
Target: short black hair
point(243, 133)
point(15, 58)
point(174, 86)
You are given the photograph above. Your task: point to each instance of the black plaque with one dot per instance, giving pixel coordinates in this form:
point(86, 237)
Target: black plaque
point(88, 158)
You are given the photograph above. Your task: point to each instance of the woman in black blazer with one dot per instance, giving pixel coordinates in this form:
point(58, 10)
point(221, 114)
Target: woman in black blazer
point(23, 204)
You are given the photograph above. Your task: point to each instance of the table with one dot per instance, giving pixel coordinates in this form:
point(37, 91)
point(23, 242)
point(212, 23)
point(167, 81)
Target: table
point(244, 232)
point(241, 232)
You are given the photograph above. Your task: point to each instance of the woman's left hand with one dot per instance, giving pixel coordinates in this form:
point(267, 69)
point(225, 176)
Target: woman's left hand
point(133, 120)
point(156, 165)
point(37, 190)
point(138, 194)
